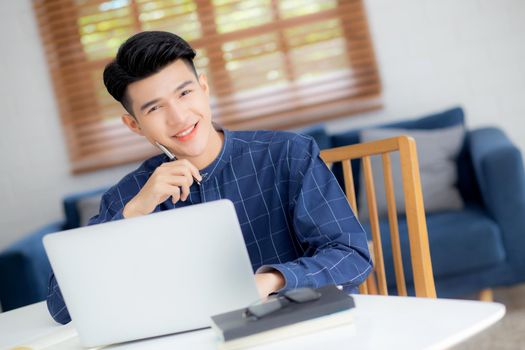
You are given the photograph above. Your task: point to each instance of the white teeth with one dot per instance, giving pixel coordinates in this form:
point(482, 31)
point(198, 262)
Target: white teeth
point(184, 133)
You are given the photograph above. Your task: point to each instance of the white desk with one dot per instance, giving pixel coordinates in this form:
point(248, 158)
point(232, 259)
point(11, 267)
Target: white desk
point(379, 323)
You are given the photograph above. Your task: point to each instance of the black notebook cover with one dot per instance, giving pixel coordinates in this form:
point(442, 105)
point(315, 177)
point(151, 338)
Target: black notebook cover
point(233, 325)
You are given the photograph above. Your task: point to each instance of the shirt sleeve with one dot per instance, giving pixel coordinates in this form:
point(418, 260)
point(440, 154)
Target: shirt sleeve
point(110, 210)
point(336, 249)
point(55, 302)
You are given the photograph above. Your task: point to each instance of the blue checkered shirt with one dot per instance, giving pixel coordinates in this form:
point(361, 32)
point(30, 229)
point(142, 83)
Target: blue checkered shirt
point(293, 214)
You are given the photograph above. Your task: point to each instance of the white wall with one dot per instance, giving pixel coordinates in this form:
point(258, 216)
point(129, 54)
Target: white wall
point(34, 172)
point(432, 54)
point(435, 54)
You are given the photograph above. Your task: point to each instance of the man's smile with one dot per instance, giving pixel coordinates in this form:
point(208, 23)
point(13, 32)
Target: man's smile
point(187, 133)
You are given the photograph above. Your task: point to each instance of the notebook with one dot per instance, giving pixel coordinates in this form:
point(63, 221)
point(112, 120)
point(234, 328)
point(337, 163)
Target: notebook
point(158, 274)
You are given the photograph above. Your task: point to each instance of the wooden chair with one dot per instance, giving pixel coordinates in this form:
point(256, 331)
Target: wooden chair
point(415, 214)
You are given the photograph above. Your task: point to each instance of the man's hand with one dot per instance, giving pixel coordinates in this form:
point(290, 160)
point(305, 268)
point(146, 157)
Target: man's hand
point(170, 179)
point(269, 282)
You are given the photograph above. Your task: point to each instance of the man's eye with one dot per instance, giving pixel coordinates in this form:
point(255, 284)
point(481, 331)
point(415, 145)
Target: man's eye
point(185, 92)
point(152, 109)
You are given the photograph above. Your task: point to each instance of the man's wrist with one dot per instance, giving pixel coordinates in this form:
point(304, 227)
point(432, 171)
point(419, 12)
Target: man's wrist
point(130, 211)
point(127, 212)
point(269, 282)
point(278, 279)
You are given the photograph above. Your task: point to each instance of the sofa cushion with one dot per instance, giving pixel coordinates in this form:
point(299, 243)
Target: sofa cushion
point(437, 151)
point(88, 207)
point(451, 237)
point(74, 216)
point(466, 183)
point(446, 119)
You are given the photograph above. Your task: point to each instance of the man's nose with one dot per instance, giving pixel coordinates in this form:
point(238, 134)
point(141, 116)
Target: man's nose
point(176, 113)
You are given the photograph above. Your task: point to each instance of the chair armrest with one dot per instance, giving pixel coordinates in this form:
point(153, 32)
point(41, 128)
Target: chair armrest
point(25, 269)
point(498, 165)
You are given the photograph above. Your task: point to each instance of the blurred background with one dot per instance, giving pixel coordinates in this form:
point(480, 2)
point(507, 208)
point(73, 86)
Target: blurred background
point(338, 65)
point(343, 63)
point(430, 55)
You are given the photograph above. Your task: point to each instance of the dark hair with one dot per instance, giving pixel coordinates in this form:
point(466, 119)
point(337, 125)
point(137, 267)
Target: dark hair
point(141, 56)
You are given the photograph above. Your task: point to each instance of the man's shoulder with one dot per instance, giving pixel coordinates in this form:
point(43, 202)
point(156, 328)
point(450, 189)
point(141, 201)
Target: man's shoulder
point(278, 147)
point(271, 138)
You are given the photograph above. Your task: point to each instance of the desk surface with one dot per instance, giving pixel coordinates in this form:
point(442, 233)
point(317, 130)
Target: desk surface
point(379, 323)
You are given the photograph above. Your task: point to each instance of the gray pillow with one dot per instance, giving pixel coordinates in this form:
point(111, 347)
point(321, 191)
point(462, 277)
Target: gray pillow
point(437, 151)
point(88, 207)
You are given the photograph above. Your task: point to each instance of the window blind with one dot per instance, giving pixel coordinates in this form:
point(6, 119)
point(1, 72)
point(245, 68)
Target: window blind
point(271, 64)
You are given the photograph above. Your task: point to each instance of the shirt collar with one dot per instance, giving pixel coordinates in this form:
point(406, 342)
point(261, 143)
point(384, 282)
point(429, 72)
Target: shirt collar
point(222, 159)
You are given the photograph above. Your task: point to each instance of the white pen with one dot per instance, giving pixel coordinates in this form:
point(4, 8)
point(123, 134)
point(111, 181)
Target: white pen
point(171, 156)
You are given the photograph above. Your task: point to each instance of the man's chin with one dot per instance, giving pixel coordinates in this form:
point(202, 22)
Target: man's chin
point(190, 154)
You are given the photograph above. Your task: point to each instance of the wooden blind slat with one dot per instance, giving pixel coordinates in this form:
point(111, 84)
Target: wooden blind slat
point(249, 105)
point(300, 101)
point(95, 133)
point(120, 129)
point(287, 101)
point(362, 55)
point(350, 15)
point(58, 47)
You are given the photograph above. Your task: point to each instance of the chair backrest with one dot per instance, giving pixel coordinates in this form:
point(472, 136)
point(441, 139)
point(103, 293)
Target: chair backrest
point(415, 213)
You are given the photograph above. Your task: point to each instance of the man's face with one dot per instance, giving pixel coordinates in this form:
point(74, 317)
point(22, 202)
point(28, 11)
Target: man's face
point(172, 107)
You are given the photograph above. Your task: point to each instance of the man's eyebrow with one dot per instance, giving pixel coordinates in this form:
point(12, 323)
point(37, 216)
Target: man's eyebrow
point(149, 103)
point(183, 85)
point(152, 102)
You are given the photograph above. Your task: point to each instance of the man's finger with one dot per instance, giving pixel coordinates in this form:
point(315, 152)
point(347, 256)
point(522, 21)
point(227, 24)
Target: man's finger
point(193, 169)
point(180, 180)
point(183, 183)
point(185, 192)
point(195, 173)
point(175, 194)
point(190, 172)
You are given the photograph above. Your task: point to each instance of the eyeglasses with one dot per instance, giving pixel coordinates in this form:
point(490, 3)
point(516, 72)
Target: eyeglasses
point(276, 302)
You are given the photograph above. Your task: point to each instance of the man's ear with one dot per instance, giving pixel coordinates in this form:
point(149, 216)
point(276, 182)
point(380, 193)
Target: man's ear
point(132, 124)
point(203, 82)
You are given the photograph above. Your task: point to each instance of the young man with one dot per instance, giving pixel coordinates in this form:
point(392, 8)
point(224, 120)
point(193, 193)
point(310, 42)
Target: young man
point(297, 224)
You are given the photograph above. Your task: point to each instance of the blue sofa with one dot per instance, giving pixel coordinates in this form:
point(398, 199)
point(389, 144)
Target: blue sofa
point(478, 247)
point(24, 267)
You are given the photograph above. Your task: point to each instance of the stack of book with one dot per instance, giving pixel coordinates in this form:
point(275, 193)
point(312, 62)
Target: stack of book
point(237, 330)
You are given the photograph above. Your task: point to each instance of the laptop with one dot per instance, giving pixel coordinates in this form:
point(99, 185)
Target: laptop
point(153, 275)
